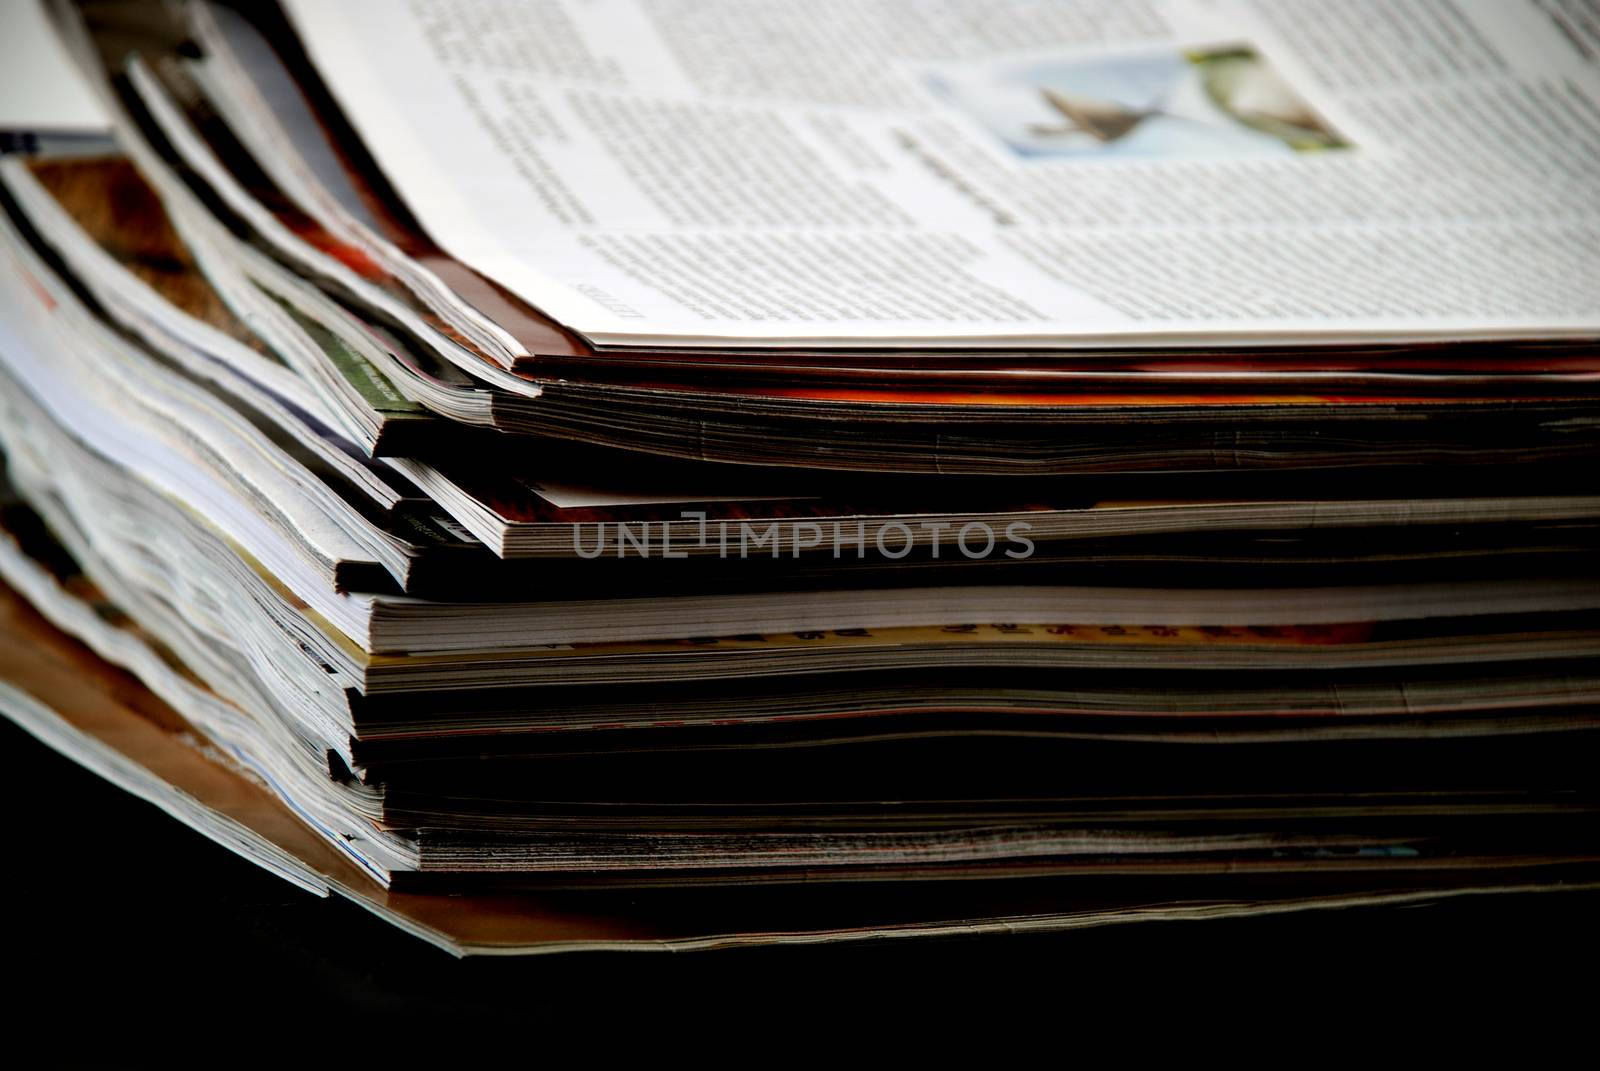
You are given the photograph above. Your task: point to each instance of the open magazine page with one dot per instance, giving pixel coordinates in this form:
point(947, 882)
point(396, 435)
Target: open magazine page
point(40, 92)
point(993, 174)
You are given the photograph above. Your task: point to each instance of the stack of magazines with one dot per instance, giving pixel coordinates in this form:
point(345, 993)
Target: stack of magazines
point(640, 473)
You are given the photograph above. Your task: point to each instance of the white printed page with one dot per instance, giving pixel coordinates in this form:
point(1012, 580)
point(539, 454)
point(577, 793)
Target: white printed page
point(993, 174)
point(41, 90)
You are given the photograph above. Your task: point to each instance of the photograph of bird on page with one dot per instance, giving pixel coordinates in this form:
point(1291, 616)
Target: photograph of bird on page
point(1228, 101)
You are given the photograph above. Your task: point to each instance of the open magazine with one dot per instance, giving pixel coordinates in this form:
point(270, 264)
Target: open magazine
point(998, 174)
